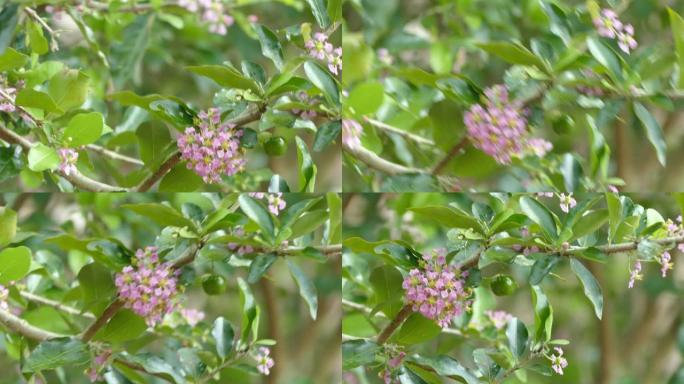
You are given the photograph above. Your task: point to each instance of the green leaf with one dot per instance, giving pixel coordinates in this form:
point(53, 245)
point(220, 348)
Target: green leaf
point(677, 25)
point(38, 42)
point(153, 140)
point(324, 81)
point(325, 134)
point(270, 45)
point(542, 267)
point(223, 334)
point(69, 89)
point(446, 366)
point(97, 287)
point(180, 179)
point(334, 235)
point(155, 365)
point(543, 315)
point(307, 290)
point(539, 214)
point(308, 222)
point(83, 129)
point(335, 10)
point(31, 98)
point(320, 12)
point(8, 23)
point(514, 54)
point(589, 223)
point(366, 98)
point(653, 131)
point(387, 285)
point(56, 353)
point(41, 158)
point(592, 289)
point(257, 213)
point(356, 353)
point(250, 311)
point(14, 264)
point(259, 266)
point(124, 326)
point(161, 214)
point(307, 168)
point(225, 76)
point(128, 54)
point(12, 59)
point(417, 329)
point(614, 214)
point(8, 225)
point(448, 217)
point(516, 333)
point(606, 57)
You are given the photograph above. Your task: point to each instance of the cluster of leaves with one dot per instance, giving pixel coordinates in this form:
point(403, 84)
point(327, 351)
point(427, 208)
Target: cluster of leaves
point(84, 94)
point(503, 241)
point(412, 71)
point(62, 296)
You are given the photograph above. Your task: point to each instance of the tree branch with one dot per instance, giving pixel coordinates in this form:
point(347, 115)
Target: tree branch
point(455, 150)
point(400, 132)
point(376, 162)
point(55, 304)
point(113, 155)
point(403, 314)
point(25, 329)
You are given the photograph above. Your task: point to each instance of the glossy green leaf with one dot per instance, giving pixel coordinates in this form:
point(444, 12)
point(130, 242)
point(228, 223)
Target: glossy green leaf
point(69, 89)
point(542, 267)
point(320, 12)
point(539, 214)
point(606, 57)
point(57, 353)
point(270, 45)
point(161, 214)
point(30, 98)
point(446, 366)
point(307, 168)
point(259, 266)
point(8, 225)
point(307, 290)
point(37, 41)
point(677, 25)
point(257, 213)
point(417, 329)
point(516, 333)
point(324, 81)
point(589, 223)
point(97, 287)
point(14, 264)
point(356, 353)
point(225, 76)
point(513, 53)
point(223, 334)
point(12, 59)
point(9, 16)
point(387, 285)
point(83, 129)
point(653, 131)
point(448, 217)
point(42, 158)
point(543, 315)
point(124, 326)
point(592, 289)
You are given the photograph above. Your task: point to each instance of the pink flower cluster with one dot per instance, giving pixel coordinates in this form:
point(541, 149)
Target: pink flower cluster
point(148, 287)
point(240, 249)
point(525, 233)
point(499, 128)
point(499, 318)
point(437, 290)
point(319, 48)
point(635, 274)
point(211, 12)
point(351, 133)
point(276, 203)
point(264, 361)
point(192, 316)
point(566, 202)
point(212, 149)
point(7, 97)
point(306, 114)
point(389, 374)
point(99, 362)
point(558, 362)
point(67, 161)
point(608, 25)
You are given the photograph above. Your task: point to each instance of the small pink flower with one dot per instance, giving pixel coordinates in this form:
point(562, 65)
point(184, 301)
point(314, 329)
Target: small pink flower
point(567, 202)
point(192, 316)
point(264, 361)
point(68, 158)
point(558, 362)
point(351, 133)
point(635, 274)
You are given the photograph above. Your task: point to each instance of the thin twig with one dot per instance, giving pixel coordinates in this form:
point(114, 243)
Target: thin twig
point(407, 135)
point(54, 46)
point(113, 155)
point(376, 162)
point(455, 150)
point(55, 304)
point(24, 328)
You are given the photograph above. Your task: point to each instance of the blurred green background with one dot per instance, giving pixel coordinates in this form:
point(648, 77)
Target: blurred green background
point(641, 337)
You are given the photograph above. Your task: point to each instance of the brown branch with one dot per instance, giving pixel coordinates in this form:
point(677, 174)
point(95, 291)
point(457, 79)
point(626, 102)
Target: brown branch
point(403, 314)
point(455, 150)
point(25, 329)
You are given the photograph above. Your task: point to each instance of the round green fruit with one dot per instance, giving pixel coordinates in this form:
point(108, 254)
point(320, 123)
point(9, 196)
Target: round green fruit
point(503, 285)
point(213, 284)
point(275, 146)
